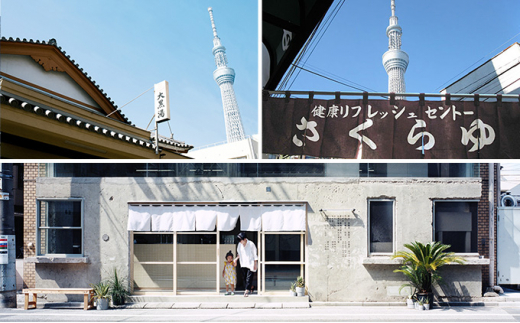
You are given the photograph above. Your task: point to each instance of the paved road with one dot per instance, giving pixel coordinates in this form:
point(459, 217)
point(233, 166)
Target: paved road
point(314, 314)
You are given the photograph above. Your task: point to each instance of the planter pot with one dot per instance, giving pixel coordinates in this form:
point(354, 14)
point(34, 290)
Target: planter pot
point(427, 307)
point(423, 296)
point(116, 301)
point(419, 307)
point(102, 303)
point(292, 293)
point(410, 303)
point(300, 291)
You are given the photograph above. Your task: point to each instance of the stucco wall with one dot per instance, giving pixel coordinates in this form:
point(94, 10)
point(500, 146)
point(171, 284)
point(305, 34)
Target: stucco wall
point(24, 67)
point(338, 265)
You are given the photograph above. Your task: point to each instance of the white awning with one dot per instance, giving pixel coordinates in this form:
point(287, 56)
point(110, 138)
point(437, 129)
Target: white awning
point(251, 217)
point(162, 218)
point(283, 218)
point(227, 217)
point(181, 217)
point(205, 218)
point(138, 218)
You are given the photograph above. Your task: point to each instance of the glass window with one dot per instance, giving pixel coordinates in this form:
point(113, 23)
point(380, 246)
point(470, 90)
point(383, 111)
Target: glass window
point(282, 247)
point(456, 225)
point(381, 219)
point(60, 227)
point(153, 262)
point(284, 260)
point(280, 277)
point(267, 169)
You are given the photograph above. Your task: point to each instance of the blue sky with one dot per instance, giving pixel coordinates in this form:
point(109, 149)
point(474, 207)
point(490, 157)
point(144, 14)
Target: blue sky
point(129, 45)
point(442, 39)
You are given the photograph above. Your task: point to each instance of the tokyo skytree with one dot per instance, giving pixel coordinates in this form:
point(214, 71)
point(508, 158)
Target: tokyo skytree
point(395, 60)
point(225, 77)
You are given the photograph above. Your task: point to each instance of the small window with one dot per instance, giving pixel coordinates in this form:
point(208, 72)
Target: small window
point(381, 221)
point(456, 225)
point(60, 227)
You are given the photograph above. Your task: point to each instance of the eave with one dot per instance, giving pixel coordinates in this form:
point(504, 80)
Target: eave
point(37, 117)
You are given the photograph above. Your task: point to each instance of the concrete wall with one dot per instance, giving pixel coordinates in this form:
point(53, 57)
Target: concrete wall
point(338, 265)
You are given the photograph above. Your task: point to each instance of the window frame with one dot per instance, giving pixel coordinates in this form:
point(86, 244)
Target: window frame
point(39, 252)
point(262, 262)
point(434, 224)
point(369, 242)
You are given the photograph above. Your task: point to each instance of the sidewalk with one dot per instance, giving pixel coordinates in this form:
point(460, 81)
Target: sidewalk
point(509, 298)
point(311, 314)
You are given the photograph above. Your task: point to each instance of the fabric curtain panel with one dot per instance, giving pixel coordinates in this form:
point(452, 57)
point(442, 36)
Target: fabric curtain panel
point(168, 218)
point(227, 217)
point(183, 218)
point(162, 218)
point(139, 218)
point(205, 218)
point(283, 218)
point(272, 218)
point(294, 218)
point(251, 218)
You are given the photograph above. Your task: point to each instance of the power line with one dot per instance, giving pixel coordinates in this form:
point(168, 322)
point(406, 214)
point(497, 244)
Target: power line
point(328, 78)
point(108, 115)
point(324, 72)
point(320, 32)
point(310, 43)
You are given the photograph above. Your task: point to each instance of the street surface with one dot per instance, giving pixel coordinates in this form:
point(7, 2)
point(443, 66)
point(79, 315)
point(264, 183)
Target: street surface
point(314, 314)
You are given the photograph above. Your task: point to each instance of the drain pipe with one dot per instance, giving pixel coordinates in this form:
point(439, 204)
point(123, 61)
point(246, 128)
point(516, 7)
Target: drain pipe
point(491, 171)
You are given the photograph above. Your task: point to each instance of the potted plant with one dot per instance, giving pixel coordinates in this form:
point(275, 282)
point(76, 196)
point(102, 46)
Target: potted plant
point(300, 286)
point(419, 305)
point(426, 304)
point(409, 301)
point(421, 264)
point(292, 291)
point(101, 295)
point(118, 290)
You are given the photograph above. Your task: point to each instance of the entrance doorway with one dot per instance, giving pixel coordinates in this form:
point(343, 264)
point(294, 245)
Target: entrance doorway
point(191, 262)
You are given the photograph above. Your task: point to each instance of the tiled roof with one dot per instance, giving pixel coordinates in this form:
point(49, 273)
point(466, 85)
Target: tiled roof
point(58, 116)
point(52, 42)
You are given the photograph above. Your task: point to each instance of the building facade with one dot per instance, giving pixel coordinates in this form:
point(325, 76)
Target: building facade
point(167, 227)
point(499, 75)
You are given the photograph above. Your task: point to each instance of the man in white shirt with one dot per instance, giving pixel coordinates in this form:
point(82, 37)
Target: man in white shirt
point(248, 255)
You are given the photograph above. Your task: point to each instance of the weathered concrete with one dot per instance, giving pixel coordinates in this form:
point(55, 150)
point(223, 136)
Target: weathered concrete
point(338, 268)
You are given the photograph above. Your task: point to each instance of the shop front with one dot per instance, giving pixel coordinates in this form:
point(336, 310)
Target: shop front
point(180, 248)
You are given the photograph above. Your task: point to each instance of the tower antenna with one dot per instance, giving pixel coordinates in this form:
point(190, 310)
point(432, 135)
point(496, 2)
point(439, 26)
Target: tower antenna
point(225, 78)
point(395, 60)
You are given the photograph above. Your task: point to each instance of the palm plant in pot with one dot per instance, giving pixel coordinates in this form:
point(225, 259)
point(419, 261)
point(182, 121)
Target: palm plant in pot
point(421, 263)
point(101, 295)
point(300, 286)
point(118, 290)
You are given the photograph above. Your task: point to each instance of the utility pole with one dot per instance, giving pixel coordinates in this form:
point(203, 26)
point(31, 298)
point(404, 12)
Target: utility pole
point(7, 239)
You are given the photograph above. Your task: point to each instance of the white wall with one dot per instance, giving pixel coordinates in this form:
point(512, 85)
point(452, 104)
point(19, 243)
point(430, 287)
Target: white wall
point(25, 68)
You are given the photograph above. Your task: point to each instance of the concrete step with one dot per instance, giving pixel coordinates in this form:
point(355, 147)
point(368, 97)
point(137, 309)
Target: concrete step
point(237, 298)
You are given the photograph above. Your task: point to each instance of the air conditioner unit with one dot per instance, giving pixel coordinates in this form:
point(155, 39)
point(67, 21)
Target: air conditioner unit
point(509, 200)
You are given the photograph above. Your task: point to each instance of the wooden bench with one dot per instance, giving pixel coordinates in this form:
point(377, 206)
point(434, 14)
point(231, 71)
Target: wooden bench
point(87, 295)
